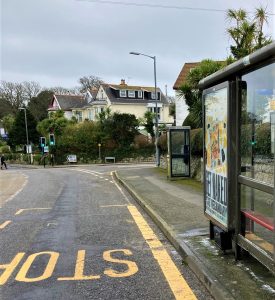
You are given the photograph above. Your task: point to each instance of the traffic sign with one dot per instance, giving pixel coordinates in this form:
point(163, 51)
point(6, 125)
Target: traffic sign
point(46, 149)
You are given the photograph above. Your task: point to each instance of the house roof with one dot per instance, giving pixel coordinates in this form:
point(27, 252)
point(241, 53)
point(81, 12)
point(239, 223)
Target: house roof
point(68, 102)
point(109, 90)
point(183, 74)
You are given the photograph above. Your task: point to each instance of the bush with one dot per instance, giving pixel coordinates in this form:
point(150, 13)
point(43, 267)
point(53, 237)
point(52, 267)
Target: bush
point(197, 142)
point(5, 149)
point(162, 143)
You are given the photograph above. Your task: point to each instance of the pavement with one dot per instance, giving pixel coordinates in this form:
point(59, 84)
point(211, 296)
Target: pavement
point(177, 208)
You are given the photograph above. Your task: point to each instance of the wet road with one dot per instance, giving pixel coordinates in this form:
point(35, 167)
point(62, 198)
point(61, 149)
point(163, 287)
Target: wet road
point(73, 233)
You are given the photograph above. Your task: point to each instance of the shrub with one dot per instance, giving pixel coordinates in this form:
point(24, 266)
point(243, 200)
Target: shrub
point(197, 142)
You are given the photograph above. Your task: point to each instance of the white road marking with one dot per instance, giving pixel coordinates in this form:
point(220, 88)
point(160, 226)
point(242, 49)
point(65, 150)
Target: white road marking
point(120, 189)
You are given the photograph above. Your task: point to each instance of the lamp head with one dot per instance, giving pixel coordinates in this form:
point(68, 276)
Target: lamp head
point(135, 53)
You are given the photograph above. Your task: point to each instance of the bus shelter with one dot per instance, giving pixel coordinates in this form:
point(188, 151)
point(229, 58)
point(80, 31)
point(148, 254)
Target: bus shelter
point(178, 140)
point(239, 146)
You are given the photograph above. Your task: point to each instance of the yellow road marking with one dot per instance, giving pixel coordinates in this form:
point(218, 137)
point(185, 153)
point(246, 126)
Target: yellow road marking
point(3, 225)
point(22, 274)
point(26, 209)
point(9, 268)
point(79, 269)
point(178, 285)
point(132, 266)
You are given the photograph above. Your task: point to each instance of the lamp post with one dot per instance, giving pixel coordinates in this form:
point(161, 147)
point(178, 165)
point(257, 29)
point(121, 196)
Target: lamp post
point(99, 152)
point(156, 106)
point(26, 125)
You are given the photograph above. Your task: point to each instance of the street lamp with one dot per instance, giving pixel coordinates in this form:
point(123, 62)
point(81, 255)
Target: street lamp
point(156, 107)
point(26, 125)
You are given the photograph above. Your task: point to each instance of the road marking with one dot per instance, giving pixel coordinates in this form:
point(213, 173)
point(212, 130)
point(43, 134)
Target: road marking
point(9, 268)
point(50, 258)
point(26, 209)
point(22, 274)
point(6, 223)
point(89, 172)
point(120, 189)
point(132, 177)
point(178, 285)
point(79, 269)
point(114, 205)
point(132, 266)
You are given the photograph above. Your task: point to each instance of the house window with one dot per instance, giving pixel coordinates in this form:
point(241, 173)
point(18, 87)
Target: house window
point(131, 94)
point(91, 115)
point(78, 115)
point(153, 110)
point(122, 93)
point(153, 95)
point(140, 94)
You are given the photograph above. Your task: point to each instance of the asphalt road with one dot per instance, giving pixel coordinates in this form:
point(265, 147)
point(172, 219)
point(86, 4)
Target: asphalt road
point(73, 233)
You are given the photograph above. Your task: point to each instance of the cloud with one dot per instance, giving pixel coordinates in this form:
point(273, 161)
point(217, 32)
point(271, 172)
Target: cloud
point(65, 39)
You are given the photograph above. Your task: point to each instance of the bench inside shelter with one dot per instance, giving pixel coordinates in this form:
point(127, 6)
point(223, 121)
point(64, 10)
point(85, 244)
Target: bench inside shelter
point(110, 158)
point(247, 218)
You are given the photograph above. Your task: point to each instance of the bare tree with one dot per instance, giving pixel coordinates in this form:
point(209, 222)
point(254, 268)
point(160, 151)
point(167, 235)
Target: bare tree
point(12, 93)
point(59, 90)
point(31, 89)
point(89, 83)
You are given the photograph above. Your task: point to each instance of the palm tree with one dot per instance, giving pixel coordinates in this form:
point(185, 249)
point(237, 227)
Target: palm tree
point(261, 17)
point(247, 34)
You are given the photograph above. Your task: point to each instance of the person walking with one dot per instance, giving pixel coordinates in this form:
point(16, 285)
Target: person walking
point(3, 162)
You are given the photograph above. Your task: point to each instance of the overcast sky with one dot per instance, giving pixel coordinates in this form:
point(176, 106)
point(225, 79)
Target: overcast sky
point(55, 42)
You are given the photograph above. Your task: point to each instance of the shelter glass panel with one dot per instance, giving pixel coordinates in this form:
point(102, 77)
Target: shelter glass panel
point(258, 124)
point(261, 204)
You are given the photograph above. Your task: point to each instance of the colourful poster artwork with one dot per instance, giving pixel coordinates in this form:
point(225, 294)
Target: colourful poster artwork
point(216, 155)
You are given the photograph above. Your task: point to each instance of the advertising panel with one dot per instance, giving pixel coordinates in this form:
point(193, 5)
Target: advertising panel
point(216, 205)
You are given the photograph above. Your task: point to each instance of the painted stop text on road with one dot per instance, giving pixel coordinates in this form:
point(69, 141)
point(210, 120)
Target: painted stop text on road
point(8, 269)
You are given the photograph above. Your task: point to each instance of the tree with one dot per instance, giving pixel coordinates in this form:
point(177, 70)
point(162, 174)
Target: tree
point(14, 95)
point(6, 107)
point(31, 89)
point(59, 90)
point(172, 111)
point(38, 105)
point(191, 92)
point(17, 134)
point(148, 123)
point(121, 128)
point(247, 34)
point(8, 122)
point(56, 123)
point(89, 83)
point(124, 128)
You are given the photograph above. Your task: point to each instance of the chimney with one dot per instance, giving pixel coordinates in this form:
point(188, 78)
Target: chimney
point(123, 82)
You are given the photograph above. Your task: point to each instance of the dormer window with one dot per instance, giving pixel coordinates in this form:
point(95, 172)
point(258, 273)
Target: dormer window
point(122, 93)
point(131, 94)
point(140, 94)
point(153, 96)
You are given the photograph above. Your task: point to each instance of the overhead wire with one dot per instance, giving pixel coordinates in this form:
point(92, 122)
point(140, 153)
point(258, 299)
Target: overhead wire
point(158, 6)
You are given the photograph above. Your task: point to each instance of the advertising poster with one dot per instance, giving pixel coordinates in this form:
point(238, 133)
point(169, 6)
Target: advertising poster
point(216, 155)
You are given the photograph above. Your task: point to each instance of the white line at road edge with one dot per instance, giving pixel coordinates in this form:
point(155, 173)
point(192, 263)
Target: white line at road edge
point(120, 189)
